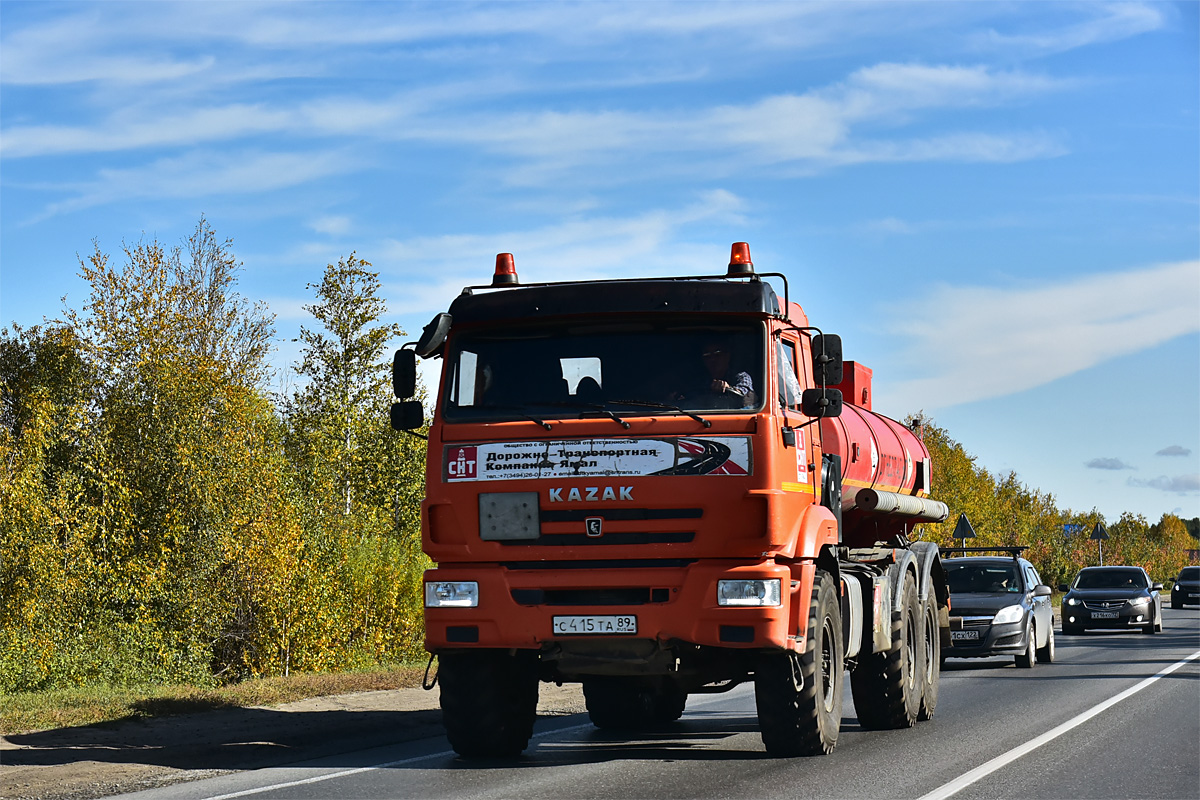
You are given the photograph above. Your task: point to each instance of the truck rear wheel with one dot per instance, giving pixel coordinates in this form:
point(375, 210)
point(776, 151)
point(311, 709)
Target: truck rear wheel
point(932, 662)
point(633, 704)
point(489, 701)
point(887, 687)
point(799, 696)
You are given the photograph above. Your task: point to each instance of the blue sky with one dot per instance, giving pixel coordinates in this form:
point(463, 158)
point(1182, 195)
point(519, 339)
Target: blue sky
point(997, 205)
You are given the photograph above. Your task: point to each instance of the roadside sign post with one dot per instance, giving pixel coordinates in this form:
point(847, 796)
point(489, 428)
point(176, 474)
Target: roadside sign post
point(963, 530)
point(1099, 534)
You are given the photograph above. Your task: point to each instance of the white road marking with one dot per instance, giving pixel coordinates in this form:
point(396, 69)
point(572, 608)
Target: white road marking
point(399, 763)
point(982, 771)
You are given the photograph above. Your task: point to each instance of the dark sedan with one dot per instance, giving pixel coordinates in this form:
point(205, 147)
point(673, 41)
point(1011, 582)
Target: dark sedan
point(999, 607)
point(1111, 597)
point(1186, 588)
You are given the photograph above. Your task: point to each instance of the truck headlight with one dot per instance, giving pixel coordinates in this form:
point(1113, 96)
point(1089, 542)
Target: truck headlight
point(451, 594)
point(748, 592)
point(1008, 614)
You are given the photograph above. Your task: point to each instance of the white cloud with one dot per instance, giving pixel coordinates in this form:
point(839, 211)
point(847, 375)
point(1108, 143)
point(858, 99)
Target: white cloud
point(1174, 450)
point(1107, 463)
point(1180, 484)
point(334, 225)
point(988, 342)
point(1112, 22)
point(577, 249)
point(63, 51)
point(203, 175)
point(818, 129)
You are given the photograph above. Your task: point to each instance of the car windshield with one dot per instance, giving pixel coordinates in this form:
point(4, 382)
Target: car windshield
point(1190, 574)
point(1111, 579)
point(605, 369)
point(968, 578)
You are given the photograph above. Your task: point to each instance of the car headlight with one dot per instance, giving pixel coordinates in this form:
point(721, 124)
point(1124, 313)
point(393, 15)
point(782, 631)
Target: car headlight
point(1074, 601)
point(451, 594)
point(1008, 614)
point(1138, 601)
point(748, 592)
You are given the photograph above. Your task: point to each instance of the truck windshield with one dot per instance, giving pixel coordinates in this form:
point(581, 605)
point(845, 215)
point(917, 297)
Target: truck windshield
point(619, 368)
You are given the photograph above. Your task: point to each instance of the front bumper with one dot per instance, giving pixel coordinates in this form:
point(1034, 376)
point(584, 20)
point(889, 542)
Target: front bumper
point(1111, 619)
point(1189, 595)
point(979, 638)
point(672, 604)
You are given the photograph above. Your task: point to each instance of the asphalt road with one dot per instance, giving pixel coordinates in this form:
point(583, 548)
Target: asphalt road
point(1117, 716)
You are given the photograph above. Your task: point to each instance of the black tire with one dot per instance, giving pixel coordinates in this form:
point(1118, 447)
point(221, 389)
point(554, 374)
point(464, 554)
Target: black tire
point(1027, 659)
point(887, 694)
point(932, 659)
point(489, 701)
point(799, 696)
point(633, 703)
point(1151, 627)
point(1045, 653)
point(1176, 604)
point(1071, 630)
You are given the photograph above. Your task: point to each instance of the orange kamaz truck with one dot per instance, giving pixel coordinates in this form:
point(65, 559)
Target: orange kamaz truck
point(665, 487)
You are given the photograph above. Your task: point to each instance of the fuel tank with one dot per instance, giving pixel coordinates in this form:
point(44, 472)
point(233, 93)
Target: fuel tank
point(877, 453)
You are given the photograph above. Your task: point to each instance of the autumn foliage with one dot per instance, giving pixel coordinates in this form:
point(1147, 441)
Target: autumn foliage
point(162, 519)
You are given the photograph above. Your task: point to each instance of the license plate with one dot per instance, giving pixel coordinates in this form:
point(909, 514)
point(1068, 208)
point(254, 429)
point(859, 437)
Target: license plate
point(1104, 615)
point(587, 624)
point(964, 635)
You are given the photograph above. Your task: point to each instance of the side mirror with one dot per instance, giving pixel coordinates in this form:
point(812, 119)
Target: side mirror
point(433, 335)
point(1156, 587)
point(821, 402)
point(827, 359)
point(1041, 591)
point(407, 416)
point(404, 374)
point(1062, 587)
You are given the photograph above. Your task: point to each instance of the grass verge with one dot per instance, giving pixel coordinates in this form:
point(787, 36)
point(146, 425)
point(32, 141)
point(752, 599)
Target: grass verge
point(66, 708)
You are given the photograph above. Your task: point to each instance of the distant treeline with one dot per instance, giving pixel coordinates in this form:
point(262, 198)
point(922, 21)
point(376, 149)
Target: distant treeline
point(164, 518)
point(1003, 511)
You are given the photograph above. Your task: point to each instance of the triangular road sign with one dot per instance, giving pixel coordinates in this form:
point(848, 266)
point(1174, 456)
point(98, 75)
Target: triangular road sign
point(1098, 532)
point(963, 529)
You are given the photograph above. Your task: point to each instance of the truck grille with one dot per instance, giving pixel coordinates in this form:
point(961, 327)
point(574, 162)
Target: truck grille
point(615, 514)
point(614, 563)
point(623, 596)
point(575, 539)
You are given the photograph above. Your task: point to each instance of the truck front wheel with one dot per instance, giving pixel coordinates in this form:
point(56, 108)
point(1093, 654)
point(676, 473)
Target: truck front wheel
point(633, 704)
point(489, 701)
point(799, 697)
point(887, 686)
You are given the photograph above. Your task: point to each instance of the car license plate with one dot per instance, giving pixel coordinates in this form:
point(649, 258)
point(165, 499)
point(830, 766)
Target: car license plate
point(964, 635)
point(1104, 615)
point(587, 624)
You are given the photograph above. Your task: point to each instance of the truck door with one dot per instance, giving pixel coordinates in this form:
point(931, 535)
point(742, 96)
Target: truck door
point(788, 397)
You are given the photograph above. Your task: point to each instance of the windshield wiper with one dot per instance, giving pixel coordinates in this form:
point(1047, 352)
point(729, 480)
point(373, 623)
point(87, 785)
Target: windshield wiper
point(519, 412)
point(668, 406)
point(593, 407)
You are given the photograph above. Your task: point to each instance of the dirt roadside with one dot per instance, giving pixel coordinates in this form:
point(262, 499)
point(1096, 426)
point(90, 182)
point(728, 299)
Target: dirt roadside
point(114, 758)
